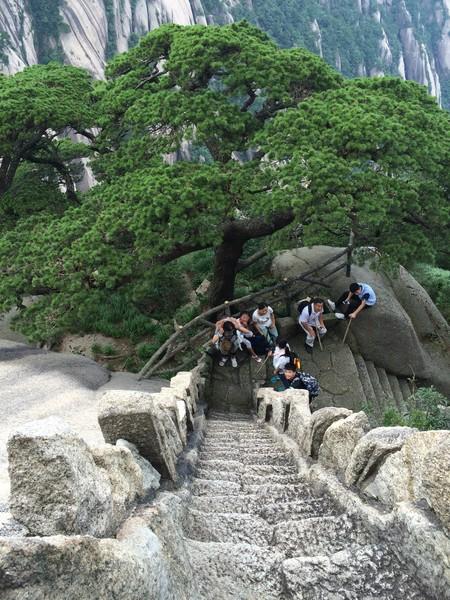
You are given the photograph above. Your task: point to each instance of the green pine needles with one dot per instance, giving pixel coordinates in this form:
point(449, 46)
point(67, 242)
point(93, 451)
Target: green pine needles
point(204, 141)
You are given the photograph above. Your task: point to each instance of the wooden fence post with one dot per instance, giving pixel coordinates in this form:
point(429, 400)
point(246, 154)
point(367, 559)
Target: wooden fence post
point(351, 240)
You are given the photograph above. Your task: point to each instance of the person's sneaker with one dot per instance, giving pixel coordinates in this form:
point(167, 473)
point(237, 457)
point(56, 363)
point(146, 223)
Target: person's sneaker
point(339, 315)
point(257, 358)
point(308, 348)
point(331, 305)
point(233, 362)
point(222, 362)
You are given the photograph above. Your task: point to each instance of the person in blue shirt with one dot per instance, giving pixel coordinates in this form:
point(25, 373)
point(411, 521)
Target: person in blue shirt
point(359, 297)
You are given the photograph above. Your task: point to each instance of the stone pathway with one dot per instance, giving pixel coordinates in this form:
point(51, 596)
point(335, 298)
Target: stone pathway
point(255, 531)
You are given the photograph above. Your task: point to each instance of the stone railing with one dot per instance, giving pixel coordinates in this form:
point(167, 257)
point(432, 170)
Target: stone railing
point(397, 479)
point(59, 485)
point(86, 529)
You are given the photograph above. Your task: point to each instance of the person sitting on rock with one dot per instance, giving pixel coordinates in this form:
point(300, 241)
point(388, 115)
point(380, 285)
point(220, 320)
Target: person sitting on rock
point(227, 343)
point(243, 331)
point(359, 297)
point(281, 356)
point(264, 320)
point(299, 380)
point(311, 321)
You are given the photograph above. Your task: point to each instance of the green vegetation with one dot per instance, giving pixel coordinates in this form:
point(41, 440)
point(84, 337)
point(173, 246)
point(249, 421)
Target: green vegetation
point(437, 283)
point(271, 144)
point(425, 411)
point(341, 158)
point(38, 104)
point(111, 44)
point(47, 25)
point(347, 36)
point(104, 349)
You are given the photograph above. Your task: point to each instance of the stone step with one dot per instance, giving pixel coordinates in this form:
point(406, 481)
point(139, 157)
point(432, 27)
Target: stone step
point(386, 386)
point(239, 426)
point(239, 442)
point(272, 512)
point(217, 475)
point(207, 487)
point(248, 458)
point(250, 479)
point(398, 396)
point(247, 480)
point(229, 571)
point(219, 465)
point(249, 475)
point(378, 390)
point(229, 416)
point(366, 381)
point(228, 437)
point(227, 527)
point(295, 510)
point(317, 535)
point(240, 449)
point(406, 390)
point(231, 503)
point(366, 572)
point(237, 466)
point(275, 492)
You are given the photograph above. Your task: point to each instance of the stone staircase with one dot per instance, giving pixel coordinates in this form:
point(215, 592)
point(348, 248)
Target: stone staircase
point(347, 379)
point(382, 390)
point(255, 531)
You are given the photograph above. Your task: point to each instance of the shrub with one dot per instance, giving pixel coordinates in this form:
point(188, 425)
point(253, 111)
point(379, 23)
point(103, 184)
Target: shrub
point(424, 412)
point(145, 351)
point(392, 418)
point(186, 313)
point(437, 283)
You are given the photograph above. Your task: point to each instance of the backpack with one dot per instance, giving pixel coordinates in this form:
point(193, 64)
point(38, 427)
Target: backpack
point(305, 302)
point(296, 360)
point(225, 346)
point(311, 383)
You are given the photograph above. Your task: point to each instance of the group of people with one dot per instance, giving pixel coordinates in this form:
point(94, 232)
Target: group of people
point(254, 333)
point(358, 297)
point(257, 334)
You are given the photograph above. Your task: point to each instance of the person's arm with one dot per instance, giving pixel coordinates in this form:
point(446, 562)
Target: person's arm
point(281, 363)
point(284, 381)
point(219, 325)
point(354, 314)
point(255, 322)
point(303, 320)
point(273, 318)
point(241, 327)
point(216, 337)
point(275, 363)
point(321, 323)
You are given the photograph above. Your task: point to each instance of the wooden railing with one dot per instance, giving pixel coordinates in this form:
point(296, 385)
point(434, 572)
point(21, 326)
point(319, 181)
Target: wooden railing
point(284, 291)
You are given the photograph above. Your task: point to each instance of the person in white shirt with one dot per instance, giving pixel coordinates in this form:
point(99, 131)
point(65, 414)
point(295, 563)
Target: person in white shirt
point(264, 320)
point(242, 324)
point(311, 321)
point(281, 356)
point(357, 298)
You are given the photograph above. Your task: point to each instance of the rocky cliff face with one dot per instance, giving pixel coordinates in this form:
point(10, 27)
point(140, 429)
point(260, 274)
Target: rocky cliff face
point(410, 38)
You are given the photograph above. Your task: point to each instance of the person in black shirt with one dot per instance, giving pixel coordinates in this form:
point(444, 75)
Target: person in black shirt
point(293, 379)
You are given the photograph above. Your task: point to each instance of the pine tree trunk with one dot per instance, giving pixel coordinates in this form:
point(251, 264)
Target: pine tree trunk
point(226, 260)
point(235, 234)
